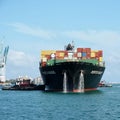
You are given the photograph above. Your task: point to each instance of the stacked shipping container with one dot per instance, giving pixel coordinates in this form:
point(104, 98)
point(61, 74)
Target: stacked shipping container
point(82, 54)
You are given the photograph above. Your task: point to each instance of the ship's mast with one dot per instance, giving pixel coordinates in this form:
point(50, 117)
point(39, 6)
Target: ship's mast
point(70, 46)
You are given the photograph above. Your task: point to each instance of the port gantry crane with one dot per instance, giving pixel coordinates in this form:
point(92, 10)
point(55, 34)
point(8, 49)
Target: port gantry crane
point(3, 59)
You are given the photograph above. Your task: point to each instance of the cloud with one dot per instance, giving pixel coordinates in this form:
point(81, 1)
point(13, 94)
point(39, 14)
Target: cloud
point(20, 63)
point(20, 27)
point(104, 37)
point(100, 38)
point(18, 58)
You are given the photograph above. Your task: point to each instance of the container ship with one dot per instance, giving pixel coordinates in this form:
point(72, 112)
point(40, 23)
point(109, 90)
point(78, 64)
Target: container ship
point(71, 70)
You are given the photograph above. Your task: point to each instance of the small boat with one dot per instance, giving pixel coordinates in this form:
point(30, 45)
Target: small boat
point(104, 84)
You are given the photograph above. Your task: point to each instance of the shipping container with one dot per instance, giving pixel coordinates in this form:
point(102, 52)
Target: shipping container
point(84, 50)
point(66, 53)
point(94, 51)
point(60, 54)
point(79, 49)
point(97, 55)
point(100, 52)
point(79, 54)
point(44, 59)
point(58, 61)
point(48, 57)
point(70, 55)
point(50, 62)
point(100, 59)
point(47, 53)
point(88, 50)
point(43, 63)
point(84, 58)
point(84, 54)
point(88, 55)
point(93, 61)
point(65, 58)
point(92, 54)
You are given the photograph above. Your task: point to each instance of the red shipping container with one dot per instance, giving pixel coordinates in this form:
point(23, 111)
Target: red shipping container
point(43, 63)
point(100, 52)
point(84, 50)
point(66, 53)
point(97, 54)
point(88, 50)
point(48, 57)
point(79, 49)
point(88, 55)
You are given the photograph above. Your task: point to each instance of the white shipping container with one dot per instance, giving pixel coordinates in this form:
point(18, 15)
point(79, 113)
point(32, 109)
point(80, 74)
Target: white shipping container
point(44, 59)
point(70, 55)
point(79, 54)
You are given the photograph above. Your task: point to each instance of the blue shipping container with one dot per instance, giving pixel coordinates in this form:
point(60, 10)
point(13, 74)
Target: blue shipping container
point(84, 54)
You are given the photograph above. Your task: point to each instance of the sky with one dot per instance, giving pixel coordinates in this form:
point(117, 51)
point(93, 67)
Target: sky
point(29, 26)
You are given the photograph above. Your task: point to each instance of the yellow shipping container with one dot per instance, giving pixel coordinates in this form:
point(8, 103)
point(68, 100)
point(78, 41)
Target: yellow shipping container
point(100, 59)
point(92, 54)
point(94, 51)
point(61, 54)
point(47, 52)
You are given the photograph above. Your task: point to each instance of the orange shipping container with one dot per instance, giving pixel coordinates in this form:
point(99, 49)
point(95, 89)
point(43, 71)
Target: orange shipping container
point(96, 55)
point(60, 54)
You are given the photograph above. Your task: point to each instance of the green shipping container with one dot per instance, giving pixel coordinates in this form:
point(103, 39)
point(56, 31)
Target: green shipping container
point(93, 61)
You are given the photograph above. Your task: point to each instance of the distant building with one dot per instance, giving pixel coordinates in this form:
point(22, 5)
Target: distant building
point(38, 81)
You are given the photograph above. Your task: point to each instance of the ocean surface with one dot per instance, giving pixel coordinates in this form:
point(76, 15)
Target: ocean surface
point(103, 104)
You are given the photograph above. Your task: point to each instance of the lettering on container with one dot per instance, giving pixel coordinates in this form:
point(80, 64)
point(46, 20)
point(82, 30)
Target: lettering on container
point(49, 72)
point(96, 72)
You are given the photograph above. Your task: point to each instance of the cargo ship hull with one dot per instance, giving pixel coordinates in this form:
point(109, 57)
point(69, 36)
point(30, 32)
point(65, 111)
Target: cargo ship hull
point(69, 76)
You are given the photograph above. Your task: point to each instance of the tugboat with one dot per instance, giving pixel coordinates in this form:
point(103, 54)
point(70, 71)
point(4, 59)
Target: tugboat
point(24, 83)
point(104, 84)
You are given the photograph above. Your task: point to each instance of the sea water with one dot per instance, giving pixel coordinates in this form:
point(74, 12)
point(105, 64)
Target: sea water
point(103, 104)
